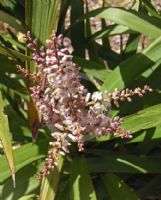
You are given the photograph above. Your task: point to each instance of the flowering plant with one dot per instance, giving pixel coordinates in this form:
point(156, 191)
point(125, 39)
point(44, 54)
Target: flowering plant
point(76, 121)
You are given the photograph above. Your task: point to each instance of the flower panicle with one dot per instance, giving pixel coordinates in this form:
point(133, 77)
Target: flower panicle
point(67, 106)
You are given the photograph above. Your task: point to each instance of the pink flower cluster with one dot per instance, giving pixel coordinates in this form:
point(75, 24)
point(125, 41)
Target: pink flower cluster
point(67, 108)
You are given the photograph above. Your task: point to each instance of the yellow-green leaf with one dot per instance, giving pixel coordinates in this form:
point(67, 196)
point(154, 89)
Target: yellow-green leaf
point(80, 181)
point(6, 139)
point(50, 183)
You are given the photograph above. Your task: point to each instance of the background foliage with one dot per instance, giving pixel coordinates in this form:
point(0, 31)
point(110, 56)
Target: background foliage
point(116, 48)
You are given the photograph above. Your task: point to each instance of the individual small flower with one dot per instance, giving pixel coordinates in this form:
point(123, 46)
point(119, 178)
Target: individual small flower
point(88, 96)
point(96, 96)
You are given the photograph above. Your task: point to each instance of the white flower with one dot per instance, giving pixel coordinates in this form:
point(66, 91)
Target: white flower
point(88, 96)
point(96, 96)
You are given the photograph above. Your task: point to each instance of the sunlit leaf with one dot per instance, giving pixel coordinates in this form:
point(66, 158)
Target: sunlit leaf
point(81, 184)
point(110, 31)
point(147, 118)
point(41, 17)
point(50, 183)
point(123, 75)
point(23, 157)
point(133, 20)
point(26, 184)
point(5, 138)
point(147, 135)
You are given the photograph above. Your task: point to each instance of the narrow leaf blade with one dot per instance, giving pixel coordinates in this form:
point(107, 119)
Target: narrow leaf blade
point(117, 188)
point(81, 184)
point(6, 139)
point(50, 183)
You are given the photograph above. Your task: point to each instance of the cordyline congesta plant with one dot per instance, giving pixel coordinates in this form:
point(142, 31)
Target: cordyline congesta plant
point(68, 110)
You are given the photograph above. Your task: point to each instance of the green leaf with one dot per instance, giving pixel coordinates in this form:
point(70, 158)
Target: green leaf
point(12, 21)
point(110, 31)
point(13, 53)
point(91, 45)
point(101, 190)
point(91, 68)
point(26, 183)
point(14, 7)
point(124, 164)
point(147, 135)
point(132, 45)
point(136, 5)
point(11, 83)
point(63, 11)
point(24, 157)
point(144, 119)
point(150, 187)
point(50, 183)
point(42, 17)
point(78, 31)
point(123, 75)
point(117, 188)
point(5, 138)
point(12, 41)
point(133, 20)
point(63, 192)
point(150, 8)
point(7, 65)
point(28, 197)
point(81, 183)
point(112, 58)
